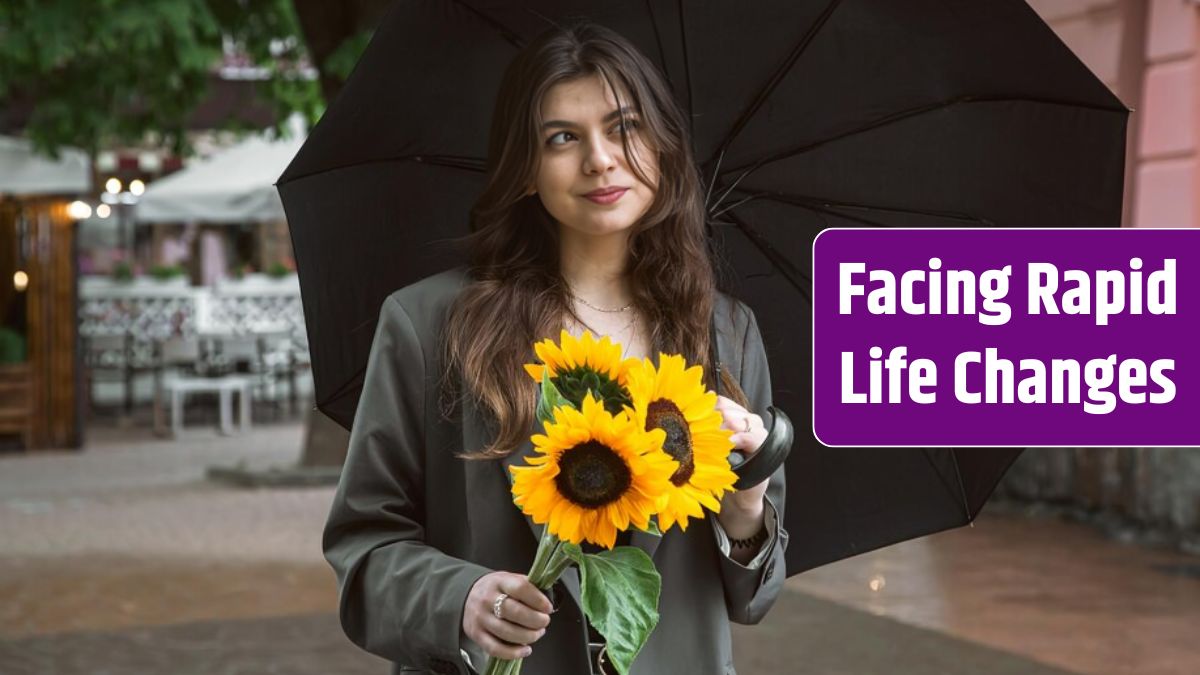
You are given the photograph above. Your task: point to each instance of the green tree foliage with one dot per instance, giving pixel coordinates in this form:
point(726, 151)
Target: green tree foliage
point(104, 71)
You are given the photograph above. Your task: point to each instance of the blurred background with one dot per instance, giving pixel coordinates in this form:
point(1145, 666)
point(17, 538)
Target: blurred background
point(164, 476)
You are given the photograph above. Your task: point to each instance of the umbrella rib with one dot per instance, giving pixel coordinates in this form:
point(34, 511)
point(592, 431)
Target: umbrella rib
point(800, 200)
point(472, 164)
point(510, 36)
point(784, 68)
point(718, 213)
point(795, 277)
point(815, 208)
point(662, 52)
point(713, 182)
point(962, 489)
point(728, 190)
point(687, 73)
point(350, 383)
point(456, 162)
point(938, 472)
point(905, 114)
point(831, 212)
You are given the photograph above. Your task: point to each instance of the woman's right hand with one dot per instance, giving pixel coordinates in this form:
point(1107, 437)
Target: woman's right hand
point(526, 614)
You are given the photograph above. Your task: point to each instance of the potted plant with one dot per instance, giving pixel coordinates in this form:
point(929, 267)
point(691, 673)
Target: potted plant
point(168, 273)
point(281, 268)
point(240, 271)
point(122, 272)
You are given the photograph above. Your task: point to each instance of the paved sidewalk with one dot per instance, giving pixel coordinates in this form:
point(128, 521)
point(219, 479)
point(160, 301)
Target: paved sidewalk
point(124, 559)
point(807, 635)
point(1057, 592)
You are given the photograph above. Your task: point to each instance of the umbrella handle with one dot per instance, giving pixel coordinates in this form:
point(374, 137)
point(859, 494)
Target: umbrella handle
point(774, 450)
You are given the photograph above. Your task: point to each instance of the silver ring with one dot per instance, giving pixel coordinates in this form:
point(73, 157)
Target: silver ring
point(498, 604)
point(747, 424)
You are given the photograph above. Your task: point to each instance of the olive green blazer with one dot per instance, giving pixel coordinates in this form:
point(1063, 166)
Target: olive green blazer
point(412, 527)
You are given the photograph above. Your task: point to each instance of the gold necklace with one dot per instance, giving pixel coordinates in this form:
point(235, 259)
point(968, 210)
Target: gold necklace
point(601, 309)
point(597, 334)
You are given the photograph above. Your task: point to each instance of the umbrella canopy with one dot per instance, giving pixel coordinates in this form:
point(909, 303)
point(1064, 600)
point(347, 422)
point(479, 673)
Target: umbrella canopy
point(805, 115)
point(235, 185)
point(25, 172)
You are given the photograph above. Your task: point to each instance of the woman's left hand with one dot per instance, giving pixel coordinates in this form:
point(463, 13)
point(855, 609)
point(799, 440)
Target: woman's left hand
point(749, 434)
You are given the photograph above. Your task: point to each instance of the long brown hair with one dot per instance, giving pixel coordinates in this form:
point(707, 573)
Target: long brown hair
point(517, 294)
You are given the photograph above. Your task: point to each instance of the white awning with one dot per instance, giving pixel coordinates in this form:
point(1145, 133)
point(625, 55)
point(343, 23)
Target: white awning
point(234, 185)
point(24, 172)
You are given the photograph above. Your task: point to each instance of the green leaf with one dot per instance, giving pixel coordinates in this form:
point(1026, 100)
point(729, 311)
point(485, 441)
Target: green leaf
point(342, 60)
point(127, 70)
point(551, 399)
point(620, 598)
point(652, 527)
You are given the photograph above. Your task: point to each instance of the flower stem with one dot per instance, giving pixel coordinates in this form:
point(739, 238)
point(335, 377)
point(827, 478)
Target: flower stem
point(556, 565)
point(546, 547)
point(496, 666)
point(548, 565)
point(503, 666)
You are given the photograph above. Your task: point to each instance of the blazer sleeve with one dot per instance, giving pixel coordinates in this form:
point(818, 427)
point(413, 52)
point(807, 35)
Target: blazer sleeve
point(751, 591)
point(398, 597)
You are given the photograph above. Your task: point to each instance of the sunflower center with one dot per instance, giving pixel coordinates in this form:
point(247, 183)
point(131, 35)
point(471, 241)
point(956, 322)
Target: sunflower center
point(664, 414)
point(592, 475)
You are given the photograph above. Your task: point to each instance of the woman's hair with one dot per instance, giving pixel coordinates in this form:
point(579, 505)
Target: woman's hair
point(517, 295)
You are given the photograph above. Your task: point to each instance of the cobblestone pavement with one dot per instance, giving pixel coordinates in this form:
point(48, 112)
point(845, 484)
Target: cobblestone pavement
point(124, 559)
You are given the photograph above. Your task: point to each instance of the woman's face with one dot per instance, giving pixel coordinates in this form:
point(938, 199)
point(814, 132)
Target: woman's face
point(584, 179)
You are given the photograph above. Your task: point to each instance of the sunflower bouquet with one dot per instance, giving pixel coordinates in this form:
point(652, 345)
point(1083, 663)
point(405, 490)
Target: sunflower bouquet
point(626, 444)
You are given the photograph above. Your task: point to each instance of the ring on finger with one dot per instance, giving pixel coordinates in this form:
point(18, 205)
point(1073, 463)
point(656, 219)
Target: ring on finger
point(498, 605)
point(747, 420)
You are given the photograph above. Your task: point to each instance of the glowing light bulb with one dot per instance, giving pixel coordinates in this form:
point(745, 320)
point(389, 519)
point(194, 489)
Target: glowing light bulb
point(79, 210)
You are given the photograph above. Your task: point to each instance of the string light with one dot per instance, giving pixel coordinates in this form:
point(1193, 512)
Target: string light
point(79, 210)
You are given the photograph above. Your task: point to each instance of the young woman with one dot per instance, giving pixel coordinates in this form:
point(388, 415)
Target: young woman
point(591, 220)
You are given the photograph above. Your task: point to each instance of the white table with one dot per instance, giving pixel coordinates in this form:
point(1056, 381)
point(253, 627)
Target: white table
point(252, 344)
point(225, 386)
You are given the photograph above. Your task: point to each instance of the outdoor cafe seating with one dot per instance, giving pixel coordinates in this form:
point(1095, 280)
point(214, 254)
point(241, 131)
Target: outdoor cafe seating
point(186, 347)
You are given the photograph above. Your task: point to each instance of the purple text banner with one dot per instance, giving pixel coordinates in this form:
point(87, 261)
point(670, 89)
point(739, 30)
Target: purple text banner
point(1013, 337)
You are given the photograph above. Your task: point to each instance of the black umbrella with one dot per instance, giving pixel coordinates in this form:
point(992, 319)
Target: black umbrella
point(805, 115)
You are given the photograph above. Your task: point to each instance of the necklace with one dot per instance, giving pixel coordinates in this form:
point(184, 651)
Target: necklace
point(600, 309)
point(597, 333)
point(619, 331)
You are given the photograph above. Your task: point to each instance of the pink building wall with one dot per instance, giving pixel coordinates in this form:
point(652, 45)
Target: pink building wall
point(1146, 52)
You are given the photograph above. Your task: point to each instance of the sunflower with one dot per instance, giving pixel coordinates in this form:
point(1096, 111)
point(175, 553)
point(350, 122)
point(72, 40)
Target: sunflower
point(594, 474)
point(672, 398)
point(579, 365)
